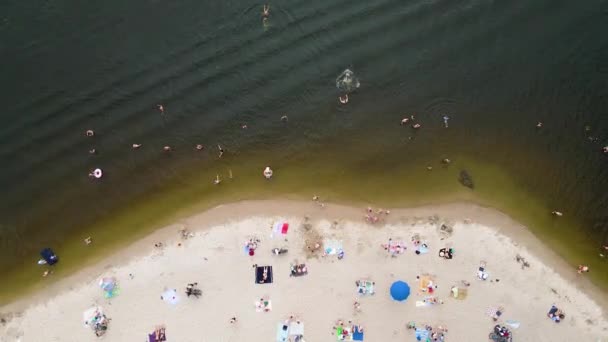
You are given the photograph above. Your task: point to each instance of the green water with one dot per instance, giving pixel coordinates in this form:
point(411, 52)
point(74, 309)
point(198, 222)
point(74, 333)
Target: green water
point(401, 186)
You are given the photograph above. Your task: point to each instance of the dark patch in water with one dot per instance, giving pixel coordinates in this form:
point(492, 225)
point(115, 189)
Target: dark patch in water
point(465, 179)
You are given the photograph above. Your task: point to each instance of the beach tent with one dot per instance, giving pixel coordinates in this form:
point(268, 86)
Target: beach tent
point(263, 275)
point(400, 290)
point(170, 296)
point(110, 286)
point(49, 256)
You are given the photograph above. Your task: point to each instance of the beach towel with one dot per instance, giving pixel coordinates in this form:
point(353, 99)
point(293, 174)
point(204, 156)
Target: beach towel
point(422, 335)
point(265, 306)
point(365, 287)
point(459, 293)
point(296, 328)
point(512, 323)
point(259, 275)
point(282, 332)
point(357, 335)
point(280, 228)
point(170, 296)
point(421, 303)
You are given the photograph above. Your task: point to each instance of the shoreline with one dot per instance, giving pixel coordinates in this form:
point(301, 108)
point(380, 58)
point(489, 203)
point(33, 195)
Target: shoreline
point(233, 212)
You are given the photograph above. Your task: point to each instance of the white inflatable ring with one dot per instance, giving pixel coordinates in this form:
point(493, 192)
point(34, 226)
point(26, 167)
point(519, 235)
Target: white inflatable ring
point(97, 173)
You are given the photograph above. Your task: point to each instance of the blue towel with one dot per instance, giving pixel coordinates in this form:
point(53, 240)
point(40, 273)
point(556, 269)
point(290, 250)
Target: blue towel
point(357, 335)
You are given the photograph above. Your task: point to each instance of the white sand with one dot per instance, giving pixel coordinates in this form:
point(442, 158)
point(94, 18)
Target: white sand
point(215, 259)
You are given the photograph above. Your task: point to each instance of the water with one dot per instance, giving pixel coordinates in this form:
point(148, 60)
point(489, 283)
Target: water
point(495, 68)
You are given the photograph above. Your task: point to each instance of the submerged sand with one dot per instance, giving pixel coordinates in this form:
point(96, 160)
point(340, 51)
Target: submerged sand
point(215, 258)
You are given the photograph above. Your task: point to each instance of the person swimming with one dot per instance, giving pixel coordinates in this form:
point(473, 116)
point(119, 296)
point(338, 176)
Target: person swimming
point(221, 150)
point(404, 121)
point(266, 11)
point(343, 99)
point(284, 118)
point(217, 180)
point(445, 120)
point(89, 133)
point(136, 146)
point(161, 108)
point(167, 148)
point(199, 147)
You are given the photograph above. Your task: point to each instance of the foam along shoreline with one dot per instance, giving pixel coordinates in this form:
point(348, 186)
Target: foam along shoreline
point(215, 259)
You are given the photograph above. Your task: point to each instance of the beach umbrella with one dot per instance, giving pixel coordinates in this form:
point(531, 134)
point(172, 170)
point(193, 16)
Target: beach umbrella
point(170, 296)
point(400, 290)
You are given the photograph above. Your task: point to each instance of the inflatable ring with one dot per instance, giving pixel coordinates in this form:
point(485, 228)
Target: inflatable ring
point(97, 173)
point(268, 172)
point(90, 133)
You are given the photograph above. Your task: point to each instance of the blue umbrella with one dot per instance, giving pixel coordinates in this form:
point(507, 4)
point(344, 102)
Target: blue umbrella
point(400, 290)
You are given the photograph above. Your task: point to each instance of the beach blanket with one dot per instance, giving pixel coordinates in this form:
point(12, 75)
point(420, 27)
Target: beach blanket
point(422, 335)
point(365, 287)
point(426, 284)
point(332, 247)
point(459, 292)
point(280, 229)
point(296, 329)
point(263, 306)
point(357, 335)
point(282, 332)
point(263, 275)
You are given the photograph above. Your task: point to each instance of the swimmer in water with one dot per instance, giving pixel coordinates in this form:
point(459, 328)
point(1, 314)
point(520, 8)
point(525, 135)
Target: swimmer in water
point(266, 11)
point(605, 149)
point(167, 148)
point(416, 126)
point(199, 147)
point(244, 126)
point(92, 151)
point(404, 121)
point(343, 99)
point(90, 133)
point(217, 180)
point(539, 125)
point(284, 118)
point(445, 120)
point(161, 108)
point(557, 213)
point(136, 146)
point(221, 150)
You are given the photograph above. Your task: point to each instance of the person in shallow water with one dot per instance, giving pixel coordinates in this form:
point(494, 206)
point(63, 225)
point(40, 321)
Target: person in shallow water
point(266, 11)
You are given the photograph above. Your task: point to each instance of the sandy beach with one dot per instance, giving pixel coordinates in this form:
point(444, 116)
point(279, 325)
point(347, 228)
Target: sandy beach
point(215, 256)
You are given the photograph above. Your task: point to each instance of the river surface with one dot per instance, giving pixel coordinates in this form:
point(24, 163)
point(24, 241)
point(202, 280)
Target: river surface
point(495, 68)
